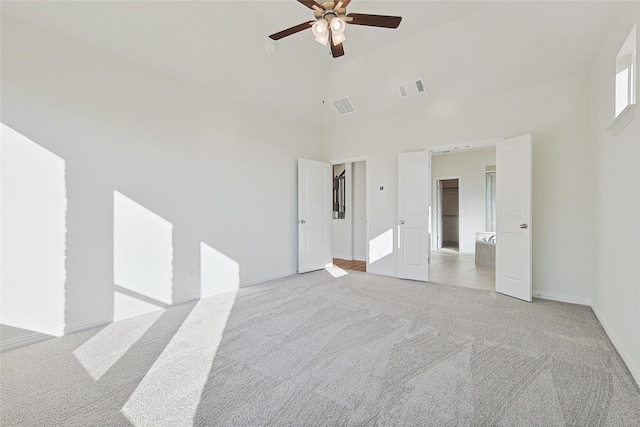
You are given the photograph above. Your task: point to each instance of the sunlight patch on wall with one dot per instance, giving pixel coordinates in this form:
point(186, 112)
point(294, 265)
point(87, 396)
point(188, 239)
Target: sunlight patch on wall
point(218, 272)
point(33, 198)
point(381, 246)
point(171, 391)
point(103, 350)
point(142, 258)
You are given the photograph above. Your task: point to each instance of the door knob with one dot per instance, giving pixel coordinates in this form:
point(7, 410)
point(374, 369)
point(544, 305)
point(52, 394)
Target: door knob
point(524, 226)
point(401, 222)
point(302, 221)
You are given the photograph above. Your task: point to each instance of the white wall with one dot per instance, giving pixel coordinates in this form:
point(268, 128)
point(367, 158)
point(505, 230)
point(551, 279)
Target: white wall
point(556, 113)
point(470, 166)
point(359, 218)
point(33, 229)
point(200, 169)
point(616, 292)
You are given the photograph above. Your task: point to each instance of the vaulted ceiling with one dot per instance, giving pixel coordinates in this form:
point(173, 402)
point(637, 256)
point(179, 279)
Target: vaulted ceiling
point(461, 49)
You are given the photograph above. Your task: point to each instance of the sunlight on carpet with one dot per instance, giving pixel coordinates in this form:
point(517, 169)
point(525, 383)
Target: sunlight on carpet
point(170, 392)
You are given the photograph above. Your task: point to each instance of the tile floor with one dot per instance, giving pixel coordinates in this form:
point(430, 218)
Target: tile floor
point(454, 268)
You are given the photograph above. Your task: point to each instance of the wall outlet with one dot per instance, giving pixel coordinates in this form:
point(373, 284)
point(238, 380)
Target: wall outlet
point(189, 272)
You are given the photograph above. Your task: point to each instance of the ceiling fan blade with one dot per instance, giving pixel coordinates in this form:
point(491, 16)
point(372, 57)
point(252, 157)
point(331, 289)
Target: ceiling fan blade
point(345, 3)
point(336, 50)
point(292, 30)
point(311, 4)
point(383, 21)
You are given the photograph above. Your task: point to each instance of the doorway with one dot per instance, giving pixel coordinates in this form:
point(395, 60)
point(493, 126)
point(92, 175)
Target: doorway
point(449, 214)
point(349, 218)
point(459, 216)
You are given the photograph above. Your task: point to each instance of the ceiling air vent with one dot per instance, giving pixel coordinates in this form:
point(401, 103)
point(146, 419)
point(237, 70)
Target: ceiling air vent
point(411, 88)
point(343, 106)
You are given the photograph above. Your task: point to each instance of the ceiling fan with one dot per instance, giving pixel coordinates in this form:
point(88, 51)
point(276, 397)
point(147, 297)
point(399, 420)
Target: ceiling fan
point(330, 23)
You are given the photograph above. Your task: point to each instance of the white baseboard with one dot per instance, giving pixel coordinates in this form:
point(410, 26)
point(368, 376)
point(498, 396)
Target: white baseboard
point(267, 278)
point(561, 298)
point(136, 313)
point(37, 337)
point(393, 274)
point(85, 325)
point(23, 341)
point(635, 374)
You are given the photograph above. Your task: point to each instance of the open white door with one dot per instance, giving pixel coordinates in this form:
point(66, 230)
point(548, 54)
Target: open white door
point(414, 185)
point(314, 215)
point(513, 217)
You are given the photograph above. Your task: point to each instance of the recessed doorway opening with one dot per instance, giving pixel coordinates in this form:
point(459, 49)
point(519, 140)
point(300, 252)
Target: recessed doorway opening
point(449, 215)
point(463, 212)
point(349, 220)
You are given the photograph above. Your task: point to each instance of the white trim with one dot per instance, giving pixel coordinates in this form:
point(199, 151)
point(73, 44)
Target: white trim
point(23, 341)
point(86, 326)
point(267, 278)
point(465, 145)
point(624, 118)
point(561, 298)
point(354, 159)
point(135, 313)
point(37, 337)
point(634, 374)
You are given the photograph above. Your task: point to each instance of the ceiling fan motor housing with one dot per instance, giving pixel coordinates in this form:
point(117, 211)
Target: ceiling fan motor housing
point(329, 12)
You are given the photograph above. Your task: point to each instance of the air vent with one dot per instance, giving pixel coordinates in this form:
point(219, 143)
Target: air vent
point(411, 88)
point(343, 106)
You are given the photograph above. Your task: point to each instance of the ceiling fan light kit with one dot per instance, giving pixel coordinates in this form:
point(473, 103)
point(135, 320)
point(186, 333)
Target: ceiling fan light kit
point(321, 31)
point(331, 21)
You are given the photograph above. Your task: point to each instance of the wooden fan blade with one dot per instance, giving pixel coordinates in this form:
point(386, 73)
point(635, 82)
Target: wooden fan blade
point(383, 21)
point(345, 3)
point(292, 30)
point(311, 4)
point(336, 50)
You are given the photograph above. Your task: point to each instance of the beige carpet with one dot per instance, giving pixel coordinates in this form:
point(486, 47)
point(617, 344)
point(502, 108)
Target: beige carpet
point(315, 350)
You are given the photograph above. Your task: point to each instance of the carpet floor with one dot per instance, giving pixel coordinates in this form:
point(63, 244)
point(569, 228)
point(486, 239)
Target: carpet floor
point(312, 349)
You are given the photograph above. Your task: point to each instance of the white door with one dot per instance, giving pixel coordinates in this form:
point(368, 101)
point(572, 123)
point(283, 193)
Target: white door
point(513, 217)
point(314, 215)
point(414, 185)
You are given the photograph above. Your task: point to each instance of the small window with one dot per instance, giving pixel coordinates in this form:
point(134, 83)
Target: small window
point(625, 93)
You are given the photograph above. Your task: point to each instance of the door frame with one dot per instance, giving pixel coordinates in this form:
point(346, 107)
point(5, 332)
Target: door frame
point(356, 159)
point(454, 147)
point(435, 220)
